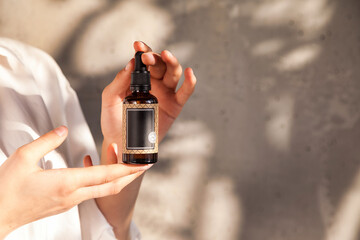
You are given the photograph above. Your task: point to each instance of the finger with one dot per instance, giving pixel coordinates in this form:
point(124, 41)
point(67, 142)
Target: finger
point(112, 154)
point(173, 69)
point(117, 89)
point(106, 189)
point(187, 87)
point(40, 147)
point(94, 175)
point(157, 66)
point(87, 161)
point(141, 46)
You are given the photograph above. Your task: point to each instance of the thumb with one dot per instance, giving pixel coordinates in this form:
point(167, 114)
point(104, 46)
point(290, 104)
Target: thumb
point(44, 144)
point(119, 86)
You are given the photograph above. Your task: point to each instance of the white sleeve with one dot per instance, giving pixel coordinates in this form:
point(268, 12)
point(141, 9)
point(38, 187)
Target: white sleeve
point(94, 226)
point(92, 218)
point(64, 109)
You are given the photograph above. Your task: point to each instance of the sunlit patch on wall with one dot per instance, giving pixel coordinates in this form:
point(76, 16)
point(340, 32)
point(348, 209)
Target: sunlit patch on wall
point(106, 44)
point(298, 58)
point(310, 16)
point(182, 50)
point(42, 23)
point(346, 222)
point(168, 203)
point(278, 127)
point(267, 47)
point(221, 214)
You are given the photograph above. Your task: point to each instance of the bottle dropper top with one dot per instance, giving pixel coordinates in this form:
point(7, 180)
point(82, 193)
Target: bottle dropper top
point(140, 77)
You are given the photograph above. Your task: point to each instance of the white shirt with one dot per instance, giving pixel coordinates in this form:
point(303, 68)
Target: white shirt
point(35, 97)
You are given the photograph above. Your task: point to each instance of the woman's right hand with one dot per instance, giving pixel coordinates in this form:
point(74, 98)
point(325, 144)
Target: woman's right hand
point(28, 193)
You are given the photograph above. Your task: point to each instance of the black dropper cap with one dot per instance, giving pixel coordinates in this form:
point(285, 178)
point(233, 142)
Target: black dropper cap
point(140, 77)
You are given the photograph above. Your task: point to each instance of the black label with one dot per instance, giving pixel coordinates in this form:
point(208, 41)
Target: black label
point(140, 128)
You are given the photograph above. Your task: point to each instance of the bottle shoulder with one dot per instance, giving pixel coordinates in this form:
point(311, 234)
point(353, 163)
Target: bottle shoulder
point(139, 98)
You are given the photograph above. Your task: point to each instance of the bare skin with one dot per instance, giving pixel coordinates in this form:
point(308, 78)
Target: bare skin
point(45, 195)
point(114, 185)
point(165, 72)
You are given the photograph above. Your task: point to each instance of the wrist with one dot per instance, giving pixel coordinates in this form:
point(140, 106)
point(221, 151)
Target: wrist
point(106, 142)
point(3, 232)
point(122, 233)
point(5, 228)
point(112, 138)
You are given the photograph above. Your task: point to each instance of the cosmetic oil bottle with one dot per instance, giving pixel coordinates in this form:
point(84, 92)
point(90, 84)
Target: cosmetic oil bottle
point(140, 118)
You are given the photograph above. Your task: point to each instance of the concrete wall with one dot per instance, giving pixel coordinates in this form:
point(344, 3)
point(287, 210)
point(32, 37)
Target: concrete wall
point(268, 146)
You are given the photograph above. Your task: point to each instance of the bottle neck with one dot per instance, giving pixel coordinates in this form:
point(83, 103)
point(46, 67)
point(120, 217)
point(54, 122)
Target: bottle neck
point(140, 90)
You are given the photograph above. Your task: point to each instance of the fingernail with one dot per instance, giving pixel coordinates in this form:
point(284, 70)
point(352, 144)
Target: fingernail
point(60, 131)
point(169, 53)
point(191, 71)
point(128, 66)
point(114, 145)
point(146, 167)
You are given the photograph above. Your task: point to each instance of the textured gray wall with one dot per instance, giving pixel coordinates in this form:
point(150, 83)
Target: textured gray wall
point(268, 146)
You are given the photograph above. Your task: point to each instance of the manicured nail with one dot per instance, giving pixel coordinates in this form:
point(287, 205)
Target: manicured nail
point(191, 71)
point(60, 131)
point(169, 53)
point(128, 66)
point(115, 147)
point(144, 168)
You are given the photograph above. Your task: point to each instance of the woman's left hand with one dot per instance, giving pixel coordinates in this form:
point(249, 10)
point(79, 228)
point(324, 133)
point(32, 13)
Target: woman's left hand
point(165, 73)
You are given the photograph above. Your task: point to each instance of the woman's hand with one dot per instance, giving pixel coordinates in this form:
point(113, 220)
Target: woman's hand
point(28, 193)
point(165, 73)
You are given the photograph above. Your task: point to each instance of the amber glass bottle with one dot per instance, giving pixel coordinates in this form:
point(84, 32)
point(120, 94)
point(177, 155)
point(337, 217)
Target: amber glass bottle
point(140, 118)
